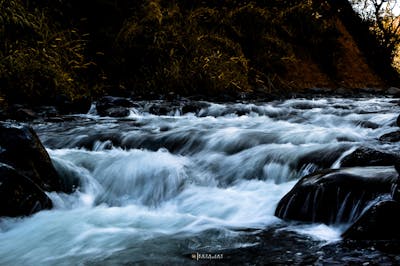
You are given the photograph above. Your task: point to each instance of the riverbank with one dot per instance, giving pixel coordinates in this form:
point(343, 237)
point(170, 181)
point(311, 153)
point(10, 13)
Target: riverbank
point(68, 51)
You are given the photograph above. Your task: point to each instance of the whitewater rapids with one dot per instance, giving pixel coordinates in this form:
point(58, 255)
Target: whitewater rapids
point(151, 189)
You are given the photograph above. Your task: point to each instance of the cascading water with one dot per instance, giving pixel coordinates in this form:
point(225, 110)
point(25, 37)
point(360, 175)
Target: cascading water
point(155, 188)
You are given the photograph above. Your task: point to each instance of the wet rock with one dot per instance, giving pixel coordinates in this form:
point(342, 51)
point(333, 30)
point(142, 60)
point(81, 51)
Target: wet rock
point(391, 137)
point(21, 148)
point(320, 91)
point(368, 124)
point(398, 121)
point(323, 158)
point(161, 109)
point(364, 156)
point(54, 119)
point(344, 92)
point(19, 196)
point(110, 101)
point(3, 111)
point(116, 112)
point(393, 91)
point(47, 111)
point(370, 91)
point(335, 196)
point(23, 114)
point(193, 107)
point(113, 106)
point(380, 222)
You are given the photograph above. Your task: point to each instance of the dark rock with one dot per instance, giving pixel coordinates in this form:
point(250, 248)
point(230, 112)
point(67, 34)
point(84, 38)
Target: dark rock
point(160, 109)
point(391, 137)
point(196, 97)
point(116, 112)
point(113, 106)
point(227, 98)
point(323, 158)
point(398, 121)
point(393, 91)
point(369, 157)
point(335, 196)
point(23, 114)
point(193, 107)
point(21, 148)
point(368, 124)
point(54, 119)
point(171, 96)
point(380, 222)
point(372, 91)
point(107, 102)
point(344, 92)
point(3, 111)
point(69, 175)
point(19, 196)
point(47, 111)
point(320, 91)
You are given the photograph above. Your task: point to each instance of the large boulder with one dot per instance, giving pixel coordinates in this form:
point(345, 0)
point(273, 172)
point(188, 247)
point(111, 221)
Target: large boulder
point(380, 222)
point(336, 196)
point(21, 148)
point(364, 156)
point(19, 195)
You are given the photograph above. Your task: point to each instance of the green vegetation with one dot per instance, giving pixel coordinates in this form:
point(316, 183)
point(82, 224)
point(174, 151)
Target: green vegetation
point(79, 49)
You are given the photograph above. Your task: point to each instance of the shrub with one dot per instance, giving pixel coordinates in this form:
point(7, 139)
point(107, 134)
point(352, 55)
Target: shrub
point(38, 61)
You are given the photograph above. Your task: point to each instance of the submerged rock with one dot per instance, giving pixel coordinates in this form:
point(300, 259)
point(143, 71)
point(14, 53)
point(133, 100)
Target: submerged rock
point(21, 148)
point(380, 222)
point(335, 196)
point(369, 157)
point(19, 196)
point(368, 124)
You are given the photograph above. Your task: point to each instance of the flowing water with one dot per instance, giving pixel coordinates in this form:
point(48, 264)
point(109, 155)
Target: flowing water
point(154, 189)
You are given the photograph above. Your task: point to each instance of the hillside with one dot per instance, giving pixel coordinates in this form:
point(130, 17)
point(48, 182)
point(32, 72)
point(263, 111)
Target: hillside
point(73, 49)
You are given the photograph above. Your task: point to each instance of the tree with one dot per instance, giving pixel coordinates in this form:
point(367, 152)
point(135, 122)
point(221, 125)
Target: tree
point(383, 20)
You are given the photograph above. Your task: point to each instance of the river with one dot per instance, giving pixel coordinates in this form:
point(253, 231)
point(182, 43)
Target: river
point(154, 189)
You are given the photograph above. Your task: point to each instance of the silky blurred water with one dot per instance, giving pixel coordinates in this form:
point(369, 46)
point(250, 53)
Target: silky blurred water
point(155, 188)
